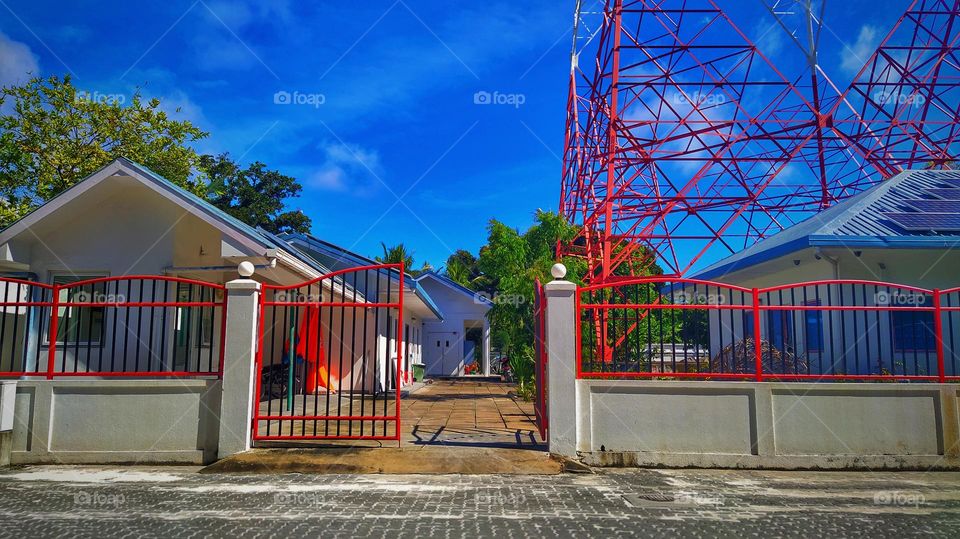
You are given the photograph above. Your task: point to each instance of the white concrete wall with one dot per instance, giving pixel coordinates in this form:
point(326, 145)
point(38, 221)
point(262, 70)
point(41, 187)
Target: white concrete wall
point(767, 425)
point(134, 421)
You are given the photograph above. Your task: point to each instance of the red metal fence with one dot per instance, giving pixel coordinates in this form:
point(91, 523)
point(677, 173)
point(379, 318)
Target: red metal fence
point(851, 330)
point(131, 326)
point(328, 357)
point(540, 352)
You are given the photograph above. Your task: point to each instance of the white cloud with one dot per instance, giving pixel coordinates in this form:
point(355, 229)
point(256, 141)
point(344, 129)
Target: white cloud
point(853, 57)
point(17, 62)
point(770, 37)
point(347, 167)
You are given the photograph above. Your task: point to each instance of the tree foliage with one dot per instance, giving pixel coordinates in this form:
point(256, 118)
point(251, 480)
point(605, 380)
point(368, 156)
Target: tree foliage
point(512, 262)
point(255, 195)
point(464, 268)
point(54, 136)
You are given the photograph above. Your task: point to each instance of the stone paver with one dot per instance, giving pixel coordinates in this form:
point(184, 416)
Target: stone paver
point(85, 502)
point(468, 413)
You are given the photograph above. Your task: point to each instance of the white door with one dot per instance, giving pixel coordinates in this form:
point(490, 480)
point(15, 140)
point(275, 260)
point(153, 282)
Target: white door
point(441, 354)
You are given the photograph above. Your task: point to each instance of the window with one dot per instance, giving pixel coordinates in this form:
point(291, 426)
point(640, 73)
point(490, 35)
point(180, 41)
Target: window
point(194, 323)
point(780, 328)
point(78, 325)
point(913, 331)
point(813, 324)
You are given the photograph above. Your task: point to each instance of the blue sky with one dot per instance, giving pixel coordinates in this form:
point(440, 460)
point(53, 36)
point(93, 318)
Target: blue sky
point(383, 132)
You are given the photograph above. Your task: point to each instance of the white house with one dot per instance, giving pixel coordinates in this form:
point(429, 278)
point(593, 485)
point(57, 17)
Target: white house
point(904, 231)
point(463, 336)
point(125, 220)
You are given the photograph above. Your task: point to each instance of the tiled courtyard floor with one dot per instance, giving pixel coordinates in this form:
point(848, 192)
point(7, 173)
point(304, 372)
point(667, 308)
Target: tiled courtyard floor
point(469, 413)
point(452, 412)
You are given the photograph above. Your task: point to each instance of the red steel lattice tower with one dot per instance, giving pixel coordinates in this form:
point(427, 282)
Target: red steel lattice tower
point(684, 139)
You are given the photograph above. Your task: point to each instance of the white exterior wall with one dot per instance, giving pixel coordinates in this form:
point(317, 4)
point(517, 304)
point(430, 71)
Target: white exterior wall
point(458, 310)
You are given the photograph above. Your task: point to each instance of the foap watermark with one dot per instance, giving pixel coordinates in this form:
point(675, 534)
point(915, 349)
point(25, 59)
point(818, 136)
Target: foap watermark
point(901, 299)
point(497, 98)
point(85, 96)
point(283, 97)
point(98, 298)
point(897, 98)
point(699, 298)
point(899, 498)
point(298, 498)
point(298, 297)
point(697, 498)
point(497, 498)
point(485, 298)
point(87, 498)
point(699, 99)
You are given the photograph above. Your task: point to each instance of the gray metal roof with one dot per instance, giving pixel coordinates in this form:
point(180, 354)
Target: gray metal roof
point(860, 221)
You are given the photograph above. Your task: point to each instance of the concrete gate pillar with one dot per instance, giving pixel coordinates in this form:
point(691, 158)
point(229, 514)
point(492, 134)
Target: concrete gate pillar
point(239, 375)
point(561, 346)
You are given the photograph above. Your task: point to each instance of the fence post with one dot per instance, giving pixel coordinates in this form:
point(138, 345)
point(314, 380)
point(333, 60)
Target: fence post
point(54, 329)
point(561, 346)
point(239, 374)
point(938, 330)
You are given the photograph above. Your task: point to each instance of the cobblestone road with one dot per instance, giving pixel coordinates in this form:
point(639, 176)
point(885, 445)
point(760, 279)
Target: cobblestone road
point(174, 502)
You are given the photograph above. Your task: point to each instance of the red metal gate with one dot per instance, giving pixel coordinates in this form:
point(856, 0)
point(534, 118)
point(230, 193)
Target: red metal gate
point(540, 351)
point(328, 357)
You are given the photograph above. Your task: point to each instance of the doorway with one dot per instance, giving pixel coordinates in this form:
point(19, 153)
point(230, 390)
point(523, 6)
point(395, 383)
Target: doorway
point(445, 357)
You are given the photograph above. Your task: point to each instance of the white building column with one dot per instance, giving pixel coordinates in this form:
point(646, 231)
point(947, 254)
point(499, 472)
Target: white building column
point(238, 382)
point(561, 343)
point(486, 346)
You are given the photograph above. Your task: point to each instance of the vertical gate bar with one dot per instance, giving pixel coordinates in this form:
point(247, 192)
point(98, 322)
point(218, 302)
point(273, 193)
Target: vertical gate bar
point(578, 331)
point(329, 349)
point(13, 341)
point(126, 330)
point(399, 351)
point(343, 316)
point(353, 348)
point(893, 344)
point(758, 350)
point(376, 354)
point(363, 361)
point(153, 311)
point(938, 328)
point(92, 299)
point(258, 356)
point(290, 362)
point(138, 343)
point(386, 364)
point(3, 324)
point(54, 322)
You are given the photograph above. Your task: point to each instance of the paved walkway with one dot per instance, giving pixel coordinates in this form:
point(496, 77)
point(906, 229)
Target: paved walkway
point(463, 412)
point(174, 502)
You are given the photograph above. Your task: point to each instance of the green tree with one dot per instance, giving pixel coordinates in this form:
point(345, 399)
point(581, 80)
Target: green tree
point(513, 262)
point(54, 136)
point(396, 254)
point(255, 195)
point(464, 268)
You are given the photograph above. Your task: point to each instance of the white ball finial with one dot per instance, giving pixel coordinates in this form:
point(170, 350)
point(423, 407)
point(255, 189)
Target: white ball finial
point(246, 269)
point(559, 271)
